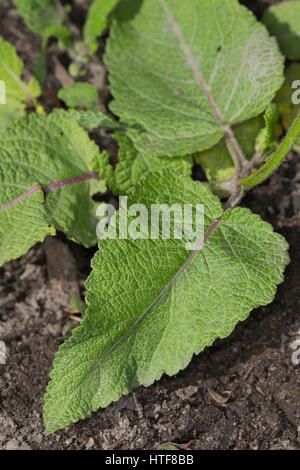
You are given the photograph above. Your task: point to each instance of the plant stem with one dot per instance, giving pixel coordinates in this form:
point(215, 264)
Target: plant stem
point(19, 82)
point(233, 146)
point(235, 150)
point(89, 175)
point(266, 170)
point(75, 179)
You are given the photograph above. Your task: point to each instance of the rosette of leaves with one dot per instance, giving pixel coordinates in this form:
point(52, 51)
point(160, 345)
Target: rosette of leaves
point(182, 75)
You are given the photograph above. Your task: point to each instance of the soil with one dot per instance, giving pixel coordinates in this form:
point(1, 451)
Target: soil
point(242, 393)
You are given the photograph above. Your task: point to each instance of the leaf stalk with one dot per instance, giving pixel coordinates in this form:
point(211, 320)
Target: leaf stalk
point(270, 166)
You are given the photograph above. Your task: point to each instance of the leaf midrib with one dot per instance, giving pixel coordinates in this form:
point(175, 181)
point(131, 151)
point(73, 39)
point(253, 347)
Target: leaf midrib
point(215, 224)
point(192, 64)
point(17, 80)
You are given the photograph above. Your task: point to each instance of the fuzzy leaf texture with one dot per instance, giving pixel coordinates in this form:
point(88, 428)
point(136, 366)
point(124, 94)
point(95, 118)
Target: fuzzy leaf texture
point(152, 304)
point(89, 120)
point(217, 162)
point(133, 166)
point(36, 153)
point(16, 91)
point(265, 137)
point(283, 22)
point(180, 72)
point(83, 95)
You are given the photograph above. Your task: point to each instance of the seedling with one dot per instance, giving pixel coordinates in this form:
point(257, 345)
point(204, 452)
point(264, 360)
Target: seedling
point(191, 81)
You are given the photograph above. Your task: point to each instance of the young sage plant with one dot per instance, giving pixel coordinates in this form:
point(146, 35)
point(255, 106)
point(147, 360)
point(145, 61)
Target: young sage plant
point(198, 81)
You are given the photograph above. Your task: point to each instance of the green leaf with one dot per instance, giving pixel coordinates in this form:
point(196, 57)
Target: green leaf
point(133, 166)
point(44, 18)
point(39, 14)
point(180, 72)
point(152, 304)
point(25, 223)
point(97, 21)
point(275, 160)
point(60, 32)
point(127, 9)
point(284, 99)
point(78, 305)
point(283, 22)
point(89, 120)
point(40, 67)
point(35, 154)
point(217, 163)
point(265, 137)
point(80, 94)
point(17, 91)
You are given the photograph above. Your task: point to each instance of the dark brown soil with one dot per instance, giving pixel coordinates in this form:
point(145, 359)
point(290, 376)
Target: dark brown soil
point(253, 367)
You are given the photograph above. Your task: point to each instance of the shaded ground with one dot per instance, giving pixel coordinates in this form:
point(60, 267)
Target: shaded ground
point(253, 367)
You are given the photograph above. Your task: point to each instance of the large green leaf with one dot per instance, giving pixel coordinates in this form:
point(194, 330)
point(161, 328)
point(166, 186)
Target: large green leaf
point(17, 91)
point(133, 166)
point(35, 154)
point(181, 72)
point(152, 304)
point(283, 22)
